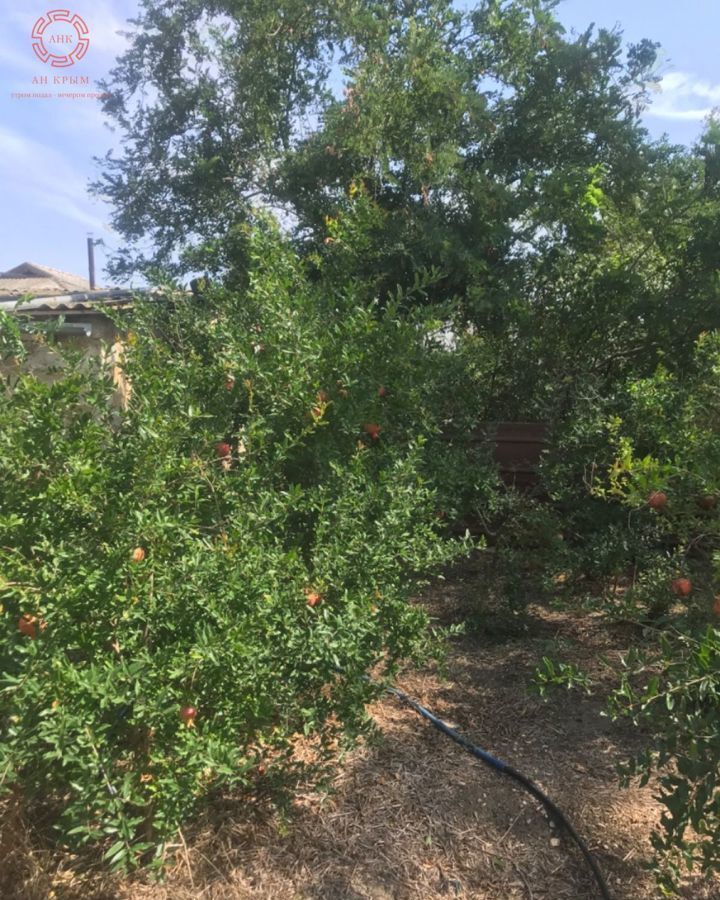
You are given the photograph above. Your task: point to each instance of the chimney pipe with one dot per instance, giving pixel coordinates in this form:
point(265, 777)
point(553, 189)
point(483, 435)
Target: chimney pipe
point(91, 261)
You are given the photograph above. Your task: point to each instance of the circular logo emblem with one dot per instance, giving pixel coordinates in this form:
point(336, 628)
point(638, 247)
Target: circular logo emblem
point(60, 38)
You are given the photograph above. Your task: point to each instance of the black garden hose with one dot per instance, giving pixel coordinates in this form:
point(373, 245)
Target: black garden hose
point(557, 814)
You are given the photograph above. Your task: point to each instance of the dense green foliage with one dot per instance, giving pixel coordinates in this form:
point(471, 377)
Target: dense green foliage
point(670, 443)
point(643, 542)
point(241, 542)
point(485, 137)
point(479, 170)
point(490, 147)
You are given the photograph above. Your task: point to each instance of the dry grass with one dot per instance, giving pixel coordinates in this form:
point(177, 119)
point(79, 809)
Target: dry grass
point(410, 815)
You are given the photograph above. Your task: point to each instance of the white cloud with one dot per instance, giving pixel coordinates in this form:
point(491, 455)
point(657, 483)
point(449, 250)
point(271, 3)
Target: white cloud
point(683, 96)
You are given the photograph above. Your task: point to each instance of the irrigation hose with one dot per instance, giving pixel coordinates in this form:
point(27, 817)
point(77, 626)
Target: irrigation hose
point(556, 813)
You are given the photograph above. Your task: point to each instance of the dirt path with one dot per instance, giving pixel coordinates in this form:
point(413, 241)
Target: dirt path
point(411, 816)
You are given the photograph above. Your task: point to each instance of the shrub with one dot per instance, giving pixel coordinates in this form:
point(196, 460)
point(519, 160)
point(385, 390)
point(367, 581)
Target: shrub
point(636, 475)
point(188, 586)
point(668, 443)
point(673, 693)
point(10, 337)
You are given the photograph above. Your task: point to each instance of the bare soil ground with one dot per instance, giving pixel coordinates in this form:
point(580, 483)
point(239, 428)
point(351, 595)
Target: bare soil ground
point(411, 815)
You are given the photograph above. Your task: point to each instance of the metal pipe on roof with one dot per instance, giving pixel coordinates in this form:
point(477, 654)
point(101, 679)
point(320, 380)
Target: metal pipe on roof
point(91, 260)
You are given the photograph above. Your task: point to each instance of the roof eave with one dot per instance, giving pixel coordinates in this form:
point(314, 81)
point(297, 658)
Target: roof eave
point(81, 300)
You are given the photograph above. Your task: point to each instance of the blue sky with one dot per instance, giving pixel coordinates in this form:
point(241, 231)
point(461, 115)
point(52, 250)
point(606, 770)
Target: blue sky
point(47, 145)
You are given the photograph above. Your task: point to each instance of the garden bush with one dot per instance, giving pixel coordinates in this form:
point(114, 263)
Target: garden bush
point(192, 583)
point(657, 548)
point(667, 470)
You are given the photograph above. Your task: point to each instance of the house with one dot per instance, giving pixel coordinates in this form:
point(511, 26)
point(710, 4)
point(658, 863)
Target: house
point(42, 294)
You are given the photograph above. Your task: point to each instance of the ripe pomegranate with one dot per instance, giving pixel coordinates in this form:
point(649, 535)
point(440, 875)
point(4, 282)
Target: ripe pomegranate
point(188, 714)
point(382, 391)
point(657, 500)
point(707, 501)
point(138, 555)
point(313, 597)
point(372, 429)
point(682, 587)
point(222, 449)
point(229, 382)
point(28, 625)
